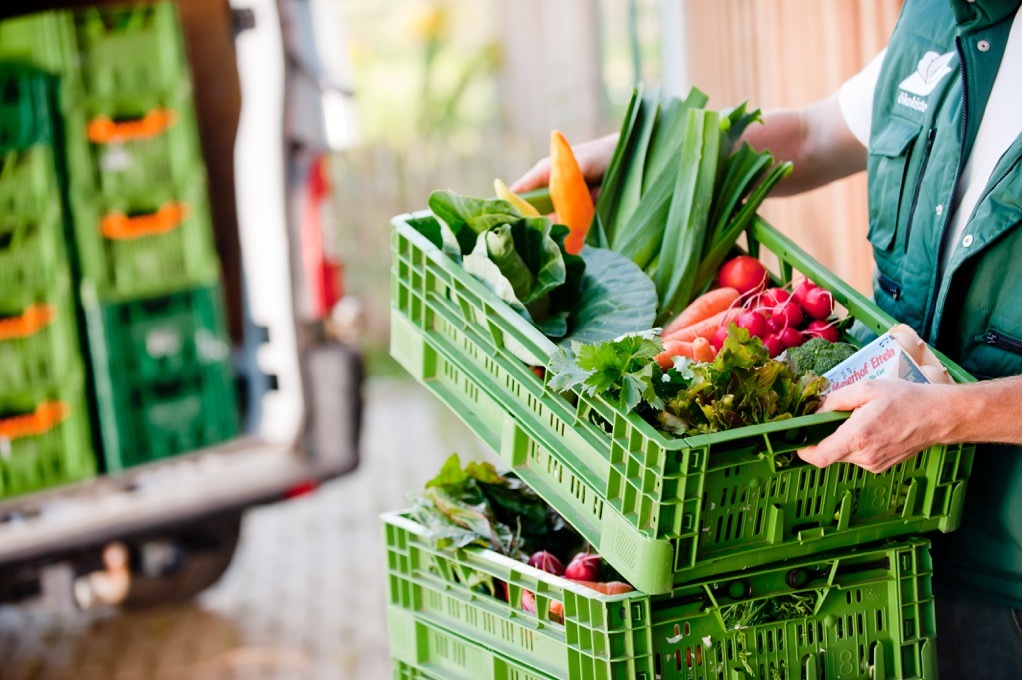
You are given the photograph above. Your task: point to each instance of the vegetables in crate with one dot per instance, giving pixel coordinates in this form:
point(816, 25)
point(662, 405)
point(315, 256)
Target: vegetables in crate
point(677, 193)
point(524, 260)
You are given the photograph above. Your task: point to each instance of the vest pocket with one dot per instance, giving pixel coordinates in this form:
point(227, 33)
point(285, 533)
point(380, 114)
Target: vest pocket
point(889, 149)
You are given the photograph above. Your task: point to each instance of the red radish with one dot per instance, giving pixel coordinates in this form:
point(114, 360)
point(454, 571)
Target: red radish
point(548, 562)
point(772, 297)
point(787, 314)
point(583, 567)
point(528, 601)
point(818, 303)
point(754, 322)
point(718, 338)
point(791, 337)
point(743, 273)
point(801, 288)
point(773, 345)
point(821, 329)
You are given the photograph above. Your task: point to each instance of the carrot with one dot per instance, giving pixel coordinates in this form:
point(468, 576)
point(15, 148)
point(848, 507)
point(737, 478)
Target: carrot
point(607, 588)
point(703, 307)
point(677, 348)
point(702, 350)
point(705, 328)
point(569, 193)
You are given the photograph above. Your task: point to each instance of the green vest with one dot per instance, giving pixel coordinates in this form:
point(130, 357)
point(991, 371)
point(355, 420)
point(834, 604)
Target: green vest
point(931, 94)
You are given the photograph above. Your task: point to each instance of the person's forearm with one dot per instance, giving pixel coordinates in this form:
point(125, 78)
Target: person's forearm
point(985, 412)
point(815, 140)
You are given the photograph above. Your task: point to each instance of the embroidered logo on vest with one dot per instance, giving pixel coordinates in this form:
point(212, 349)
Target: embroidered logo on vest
point(932, 69)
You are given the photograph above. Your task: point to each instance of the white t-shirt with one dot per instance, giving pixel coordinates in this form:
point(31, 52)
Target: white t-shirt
point(1001, 125)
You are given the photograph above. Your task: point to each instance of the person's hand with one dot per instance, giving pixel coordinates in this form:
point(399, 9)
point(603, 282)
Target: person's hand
point(891, 420)
point(593, 158)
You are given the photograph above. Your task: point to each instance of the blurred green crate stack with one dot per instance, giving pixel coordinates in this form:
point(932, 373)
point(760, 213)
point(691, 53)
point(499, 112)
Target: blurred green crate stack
point(162, 376)
point(44, 422)
point(140, 226)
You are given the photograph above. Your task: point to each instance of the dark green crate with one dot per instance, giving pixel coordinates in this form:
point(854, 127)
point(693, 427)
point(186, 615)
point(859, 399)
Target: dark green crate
point(110, 146)
point(46, 41)
point(130, 50)
point(26, 110)
point(867, 614)
point(662, 510)
point(38, 341)
point(48, 459)
point(162, 376)
point(141, 422)
point(151, 264)
point(157, 338)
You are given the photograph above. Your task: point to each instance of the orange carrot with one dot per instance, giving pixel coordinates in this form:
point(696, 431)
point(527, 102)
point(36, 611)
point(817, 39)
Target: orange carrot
point(705, 328)
point(676, 348)
point(607, 588)
point(702, 350)
point(569, 193)
point(703, 307)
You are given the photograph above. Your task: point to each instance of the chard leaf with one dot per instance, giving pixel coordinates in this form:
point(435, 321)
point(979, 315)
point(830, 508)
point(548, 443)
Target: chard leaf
point(460, 223)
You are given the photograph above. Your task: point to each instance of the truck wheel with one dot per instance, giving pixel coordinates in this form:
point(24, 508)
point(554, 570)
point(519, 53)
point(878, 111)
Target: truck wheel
point(178, 566)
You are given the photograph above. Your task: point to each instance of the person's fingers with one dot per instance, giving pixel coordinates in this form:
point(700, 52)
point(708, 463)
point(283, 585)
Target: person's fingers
point(841, 443)
point(851, 397)
point(537, 176)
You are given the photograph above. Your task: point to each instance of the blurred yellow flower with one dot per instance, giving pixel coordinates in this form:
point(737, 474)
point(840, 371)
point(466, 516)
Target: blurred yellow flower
point(430, 21)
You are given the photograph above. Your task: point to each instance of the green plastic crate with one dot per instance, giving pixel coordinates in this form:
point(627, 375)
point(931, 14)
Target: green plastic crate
point(120, 149)
point(145, 262)
point(405, 672)
point(157, 338)
point(662, 510)
point(865, 614)
point(162, 376)
point(29, 183)
point(26, 111)
point(33, 254)
point(130, 50)
point(60, 455)
point(38, 341)
point(45, 41)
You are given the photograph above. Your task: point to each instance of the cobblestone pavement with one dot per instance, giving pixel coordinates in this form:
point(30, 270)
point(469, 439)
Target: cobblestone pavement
point(304, 598)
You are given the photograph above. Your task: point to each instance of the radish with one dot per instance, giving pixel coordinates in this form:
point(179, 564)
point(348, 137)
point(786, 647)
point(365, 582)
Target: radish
point(801, 288)
point(773, 345)
point(548, 562)
point(818, 303)
point(772, 297)
point(528, 601)
point(583, 567)
point(743, 273)
point(821, 329)
point(754, 322)
point(718, 338)
point(787, 314)
point(791, 337)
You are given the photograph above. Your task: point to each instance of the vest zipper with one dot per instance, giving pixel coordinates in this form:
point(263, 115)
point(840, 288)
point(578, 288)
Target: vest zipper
point(919, 184)
point(931, 311)
point(1002, 341)
point(888, 286)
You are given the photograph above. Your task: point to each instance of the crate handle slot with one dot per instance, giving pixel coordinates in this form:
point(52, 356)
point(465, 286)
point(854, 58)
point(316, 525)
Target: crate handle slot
point(120, 227)
point(33, 320)
point(46, 416)
point(105, 130)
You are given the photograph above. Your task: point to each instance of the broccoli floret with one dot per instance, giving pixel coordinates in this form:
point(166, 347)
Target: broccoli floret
point(819, 355)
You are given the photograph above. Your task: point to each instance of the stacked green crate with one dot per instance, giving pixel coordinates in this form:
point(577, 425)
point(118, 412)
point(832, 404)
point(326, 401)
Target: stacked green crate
point(44, 423)
point(144, 240)
point(142, 229)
